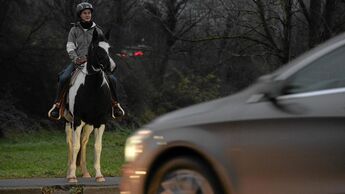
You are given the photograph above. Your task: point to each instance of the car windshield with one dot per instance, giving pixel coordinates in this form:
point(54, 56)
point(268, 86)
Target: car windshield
point(324, 73)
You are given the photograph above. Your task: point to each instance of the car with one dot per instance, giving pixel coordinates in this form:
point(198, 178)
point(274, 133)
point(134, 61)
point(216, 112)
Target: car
point(284, 134)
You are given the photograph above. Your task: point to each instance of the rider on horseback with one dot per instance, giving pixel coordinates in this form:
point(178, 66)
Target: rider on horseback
point(79, 39)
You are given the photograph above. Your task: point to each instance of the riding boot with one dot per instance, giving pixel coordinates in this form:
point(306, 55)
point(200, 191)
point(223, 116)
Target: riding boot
point(117, 110)
point(54, 112)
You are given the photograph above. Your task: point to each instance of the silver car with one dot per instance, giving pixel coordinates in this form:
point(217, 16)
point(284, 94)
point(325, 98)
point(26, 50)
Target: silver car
point(284, 134)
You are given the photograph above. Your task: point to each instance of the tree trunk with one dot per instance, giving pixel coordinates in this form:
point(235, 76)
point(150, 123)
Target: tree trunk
point(329, 19)
point(315, 12)
point(287, 29)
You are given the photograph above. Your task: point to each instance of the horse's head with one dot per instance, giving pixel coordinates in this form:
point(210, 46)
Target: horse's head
point(98, 54)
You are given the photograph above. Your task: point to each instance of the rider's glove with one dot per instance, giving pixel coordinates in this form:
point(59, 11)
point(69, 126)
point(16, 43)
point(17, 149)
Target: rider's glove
point(80, 60)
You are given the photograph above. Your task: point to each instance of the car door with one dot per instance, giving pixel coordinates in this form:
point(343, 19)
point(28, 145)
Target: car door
point(297, 145)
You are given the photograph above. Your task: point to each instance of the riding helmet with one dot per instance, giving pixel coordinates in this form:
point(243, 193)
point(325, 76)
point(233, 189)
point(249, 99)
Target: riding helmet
point(82, 6)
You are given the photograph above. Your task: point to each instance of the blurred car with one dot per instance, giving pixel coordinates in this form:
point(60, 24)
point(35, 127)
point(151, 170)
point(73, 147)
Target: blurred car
point(284, 134)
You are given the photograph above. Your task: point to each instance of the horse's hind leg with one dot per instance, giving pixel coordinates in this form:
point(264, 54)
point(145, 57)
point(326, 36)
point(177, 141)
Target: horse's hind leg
point(85, 138)
point(69, 134)
point(76, 147)
point(98, 149)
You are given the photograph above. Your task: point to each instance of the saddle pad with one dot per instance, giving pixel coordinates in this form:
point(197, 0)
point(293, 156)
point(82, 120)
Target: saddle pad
point(74, 76)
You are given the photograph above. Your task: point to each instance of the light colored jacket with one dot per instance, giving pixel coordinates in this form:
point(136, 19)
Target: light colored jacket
point(79, 40)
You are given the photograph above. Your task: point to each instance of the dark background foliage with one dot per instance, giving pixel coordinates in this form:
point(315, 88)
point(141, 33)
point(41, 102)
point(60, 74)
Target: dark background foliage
point(194, 50)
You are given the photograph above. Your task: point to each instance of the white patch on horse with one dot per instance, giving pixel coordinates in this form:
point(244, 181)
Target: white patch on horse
point(105, 82)
point(112, 64)
point(106, 47)
point(80, 80)
point(94, 69)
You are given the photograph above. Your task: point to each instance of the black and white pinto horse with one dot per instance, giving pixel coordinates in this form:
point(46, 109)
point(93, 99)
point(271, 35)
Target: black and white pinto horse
point(89, 107)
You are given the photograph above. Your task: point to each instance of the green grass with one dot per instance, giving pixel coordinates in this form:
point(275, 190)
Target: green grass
point(44, 154)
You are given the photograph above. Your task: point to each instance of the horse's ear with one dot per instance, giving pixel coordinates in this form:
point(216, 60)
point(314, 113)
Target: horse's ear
point(95, 36)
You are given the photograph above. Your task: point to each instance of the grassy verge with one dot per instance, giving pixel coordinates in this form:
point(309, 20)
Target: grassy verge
point(44, 154)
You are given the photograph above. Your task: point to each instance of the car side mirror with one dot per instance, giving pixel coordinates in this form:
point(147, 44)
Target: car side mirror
point(271, 89)
point(268, 89)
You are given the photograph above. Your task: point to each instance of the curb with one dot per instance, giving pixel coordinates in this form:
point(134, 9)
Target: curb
point(52, 190)
point(59, 186)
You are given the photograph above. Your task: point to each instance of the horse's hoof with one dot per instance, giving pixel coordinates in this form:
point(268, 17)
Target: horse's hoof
point(72, 179)
point(100, 179)
point(86, 175)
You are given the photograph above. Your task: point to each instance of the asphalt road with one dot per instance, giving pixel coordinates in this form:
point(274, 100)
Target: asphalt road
point(59, 186)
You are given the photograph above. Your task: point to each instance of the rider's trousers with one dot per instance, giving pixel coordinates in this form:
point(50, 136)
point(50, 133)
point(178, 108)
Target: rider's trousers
point(112, 85)
point(63, 78)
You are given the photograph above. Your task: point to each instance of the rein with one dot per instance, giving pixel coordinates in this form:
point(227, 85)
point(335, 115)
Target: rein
point(85, 72)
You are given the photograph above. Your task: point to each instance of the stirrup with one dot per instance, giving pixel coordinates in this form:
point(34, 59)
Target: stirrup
point(121, 109)
point(51, 110)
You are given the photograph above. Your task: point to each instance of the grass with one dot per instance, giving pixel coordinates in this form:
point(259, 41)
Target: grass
point(44, 154)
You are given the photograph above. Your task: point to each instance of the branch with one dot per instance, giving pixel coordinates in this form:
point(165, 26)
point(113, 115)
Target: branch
point(224, 5)
point(27, 40)
point(192, 25)
point(263, 20)
point(304, 10)
point(252, 28)
point(212, 38)
point(178, 6)
point(35, 29)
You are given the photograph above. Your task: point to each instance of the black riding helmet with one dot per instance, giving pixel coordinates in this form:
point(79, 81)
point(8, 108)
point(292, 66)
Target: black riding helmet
point(82, 6)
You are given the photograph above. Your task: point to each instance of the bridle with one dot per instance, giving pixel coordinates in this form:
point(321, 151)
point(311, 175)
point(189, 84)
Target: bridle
point(95, 70)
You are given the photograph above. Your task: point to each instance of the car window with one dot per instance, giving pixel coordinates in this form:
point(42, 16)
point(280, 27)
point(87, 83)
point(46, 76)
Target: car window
point(326, 72)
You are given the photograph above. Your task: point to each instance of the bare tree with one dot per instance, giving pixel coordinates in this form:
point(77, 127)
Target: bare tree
point(324, 19)
point(120, 21)
point(176, 21)
point(61, 12)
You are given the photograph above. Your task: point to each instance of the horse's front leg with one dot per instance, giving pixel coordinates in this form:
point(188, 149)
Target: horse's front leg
point(98, 149)
point(69, 141)
point(76, 146)
point(85, 139)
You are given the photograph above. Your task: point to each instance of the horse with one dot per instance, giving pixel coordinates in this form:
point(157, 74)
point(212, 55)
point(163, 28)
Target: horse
point(88, 108)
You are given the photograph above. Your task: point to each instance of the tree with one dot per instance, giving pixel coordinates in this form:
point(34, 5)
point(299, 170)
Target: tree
point(321, 19)
point(174, 17)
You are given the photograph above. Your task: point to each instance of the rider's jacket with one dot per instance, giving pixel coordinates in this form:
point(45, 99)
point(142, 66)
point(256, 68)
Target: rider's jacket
point(79, 40)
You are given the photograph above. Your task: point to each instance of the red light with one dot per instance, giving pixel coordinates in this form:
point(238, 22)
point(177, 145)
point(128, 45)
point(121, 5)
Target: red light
point(138, 53)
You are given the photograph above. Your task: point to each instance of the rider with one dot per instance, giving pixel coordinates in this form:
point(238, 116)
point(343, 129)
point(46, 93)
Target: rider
point(78, 42)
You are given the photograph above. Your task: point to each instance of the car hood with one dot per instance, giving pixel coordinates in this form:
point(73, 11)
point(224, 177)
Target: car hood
point(219, 110)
